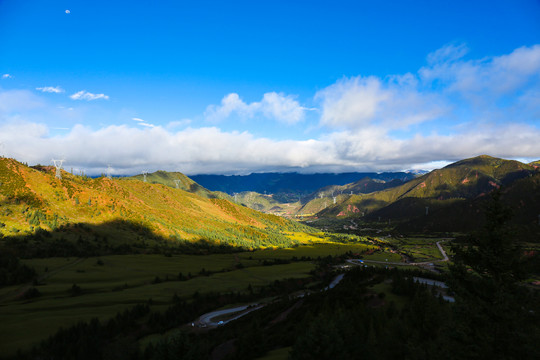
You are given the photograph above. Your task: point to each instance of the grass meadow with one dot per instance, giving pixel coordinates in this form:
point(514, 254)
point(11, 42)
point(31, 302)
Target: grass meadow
point(110, 284)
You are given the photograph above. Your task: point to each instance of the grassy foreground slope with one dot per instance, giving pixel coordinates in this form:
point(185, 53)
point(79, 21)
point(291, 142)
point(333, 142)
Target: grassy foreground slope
point(33, 200)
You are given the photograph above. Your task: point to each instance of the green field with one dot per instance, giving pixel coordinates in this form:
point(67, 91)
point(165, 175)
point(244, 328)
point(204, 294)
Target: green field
point(313, 251)
point(110, 284)
point(121, 282)
point(383, 256)
point(420, 249)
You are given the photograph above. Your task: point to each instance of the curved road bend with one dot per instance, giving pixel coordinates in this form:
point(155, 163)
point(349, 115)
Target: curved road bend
point(334, 282)
point(445, 257)
point(207, 318)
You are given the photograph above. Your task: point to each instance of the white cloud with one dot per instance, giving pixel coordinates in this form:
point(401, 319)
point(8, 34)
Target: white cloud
point(7, 76)
point(393, 103)
point(51, 89)
point(229, 104)
point(210, 150)
point(489, 77)
point(451, 109)
point(179, 123)
point(281, 108)
point(142, 122)
point(448, 53)
point(351, 102)
point(276, 106)
point(85, 95)
point(449, 90)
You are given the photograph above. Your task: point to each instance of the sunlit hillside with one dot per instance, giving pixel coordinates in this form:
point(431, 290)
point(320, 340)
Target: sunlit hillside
point(34, 200)
point(177, 180)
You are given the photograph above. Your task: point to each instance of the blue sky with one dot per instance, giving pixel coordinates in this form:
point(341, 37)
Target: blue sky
point(245, 86)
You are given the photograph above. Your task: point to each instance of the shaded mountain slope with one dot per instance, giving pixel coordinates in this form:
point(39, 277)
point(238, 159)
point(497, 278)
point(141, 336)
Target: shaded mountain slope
point(337, 194)
point(466, 179)
point(521, 196)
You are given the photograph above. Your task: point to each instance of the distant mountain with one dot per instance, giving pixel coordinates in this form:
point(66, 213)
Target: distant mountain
point(265, 203)
point(125, 209)
point(417, 172)
point(336, 194)
point(294, 184)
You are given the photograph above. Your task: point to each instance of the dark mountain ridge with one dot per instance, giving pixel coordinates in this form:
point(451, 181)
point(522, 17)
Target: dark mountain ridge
point(289, 182)
point(451, 198)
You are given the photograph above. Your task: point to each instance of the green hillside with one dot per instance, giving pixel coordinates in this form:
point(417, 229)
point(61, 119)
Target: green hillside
point(184, 183)
point(250, 199)
point(466, 179)
point(269, 203)
point(127, 210)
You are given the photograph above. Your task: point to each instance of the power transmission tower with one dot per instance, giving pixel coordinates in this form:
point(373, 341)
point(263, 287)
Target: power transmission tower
point(144, 174)
point(427, 210)
point(176, 182)
point(334, 199)
point(109, 169)
point(58, 166)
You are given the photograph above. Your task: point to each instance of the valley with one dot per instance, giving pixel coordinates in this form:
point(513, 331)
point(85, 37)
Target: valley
point(143, 266)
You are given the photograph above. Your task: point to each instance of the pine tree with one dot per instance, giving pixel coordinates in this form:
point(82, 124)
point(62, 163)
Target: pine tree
point(495, 316)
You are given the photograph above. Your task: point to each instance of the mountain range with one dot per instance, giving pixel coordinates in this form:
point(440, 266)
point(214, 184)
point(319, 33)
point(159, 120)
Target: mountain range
point(295, 184)
point(451, 198)
point(174, 206)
